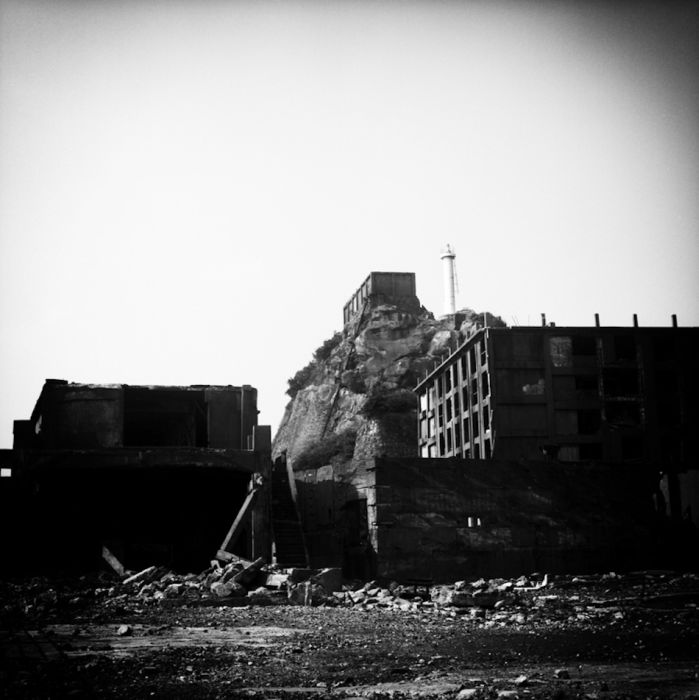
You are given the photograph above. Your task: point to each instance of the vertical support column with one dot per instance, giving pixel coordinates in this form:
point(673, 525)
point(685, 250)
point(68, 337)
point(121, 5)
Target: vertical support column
point(261, 545)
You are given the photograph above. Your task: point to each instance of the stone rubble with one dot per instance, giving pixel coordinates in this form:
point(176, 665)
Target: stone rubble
point(525, 600)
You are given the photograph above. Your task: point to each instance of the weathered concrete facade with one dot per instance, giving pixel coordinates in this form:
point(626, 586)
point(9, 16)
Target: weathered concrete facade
point(156, 474)
point(70, 415)
point(571, 395)
point(382, 288)
point(445, 519)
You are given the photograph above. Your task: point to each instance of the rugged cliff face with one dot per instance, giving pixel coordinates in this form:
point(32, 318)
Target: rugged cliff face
point(355, 399)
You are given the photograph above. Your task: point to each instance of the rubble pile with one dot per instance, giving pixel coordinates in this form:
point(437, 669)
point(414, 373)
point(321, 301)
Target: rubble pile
point(533, 600)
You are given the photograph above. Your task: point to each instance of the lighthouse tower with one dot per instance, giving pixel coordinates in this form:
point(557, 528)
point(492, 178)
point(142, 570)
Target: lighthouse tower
point(449, 272)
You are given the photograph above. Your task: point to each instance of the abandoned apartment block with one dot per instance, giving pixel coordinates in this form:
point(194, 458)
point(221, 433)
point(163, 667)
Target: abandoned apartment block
point(156, 474)
point(573, 394)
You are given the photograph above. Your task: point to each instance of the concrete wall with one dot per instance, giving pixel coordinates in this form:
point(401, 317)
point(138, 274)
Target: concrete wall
point(73, 416)
point(449, 519)
point(446, 519)
point(382, 288)
point(232, 416)
point(336, 505)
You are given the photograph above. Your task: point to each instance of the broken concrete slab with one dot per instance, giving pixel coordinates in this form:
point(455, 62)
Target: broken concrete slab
point(309, 593)
point(298, 575)
point(249, 573)
point(276, 580)
point(228, 589)
point(331, 580)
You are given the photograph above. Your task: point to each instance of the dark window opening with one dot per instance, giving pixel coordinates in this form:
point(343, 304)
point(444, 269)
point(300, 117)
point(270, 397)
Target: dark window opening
point(669, 413)
point(441, 444)
point(483, 352)
point(666, 383)
point(624, 347)
point(440, 387)
point(472, 360)
point(447, 379)
point(476, 451)
point(155, 418)
point(663, 349)
point(474, 392)
point(355, 538)
point(456, 404)
point(440, 415)
point(620, 382)
point(589, 421)
point(584, 345)
point(622, 413)
point(466, 433)
point(476, 426)
point(632, 447)
point(486, 419)
point(463, 365)
point(457, 436)
point(449, 442)
point(486, 447)
point(585, 382)
point(591, 450)
point(448, 410)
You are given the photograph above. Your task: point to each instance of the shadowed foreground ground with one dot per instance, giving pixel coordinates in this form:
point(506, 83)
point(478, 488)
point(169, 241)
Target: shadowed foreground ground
point(592, 637)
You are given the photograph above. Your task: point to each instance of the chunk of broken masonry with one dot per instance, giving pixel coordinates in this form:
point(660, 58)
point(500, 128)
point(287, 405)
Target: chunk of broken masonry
point(330, 579)
point(309, 593)
point(228, 589)
point(276, 580)
point(300, 575)
point(248, 574)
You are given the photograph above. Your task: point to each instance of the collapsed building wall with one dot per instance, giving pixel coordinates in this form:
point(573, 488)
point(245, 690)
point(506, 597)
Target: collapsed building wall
point(156, 474)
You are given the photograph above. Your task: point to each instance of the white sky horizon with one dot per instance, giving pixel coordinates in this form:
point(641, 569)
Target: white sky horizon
point(191, 191)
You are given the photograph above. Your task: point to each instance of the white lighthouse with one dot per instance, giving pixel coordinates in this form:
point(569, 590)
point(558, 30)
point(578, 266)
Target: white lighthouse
point(449, 272)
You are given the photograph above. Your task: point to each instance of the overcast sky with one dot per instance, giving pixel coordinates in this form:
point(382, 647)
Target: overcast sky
point(190, 191)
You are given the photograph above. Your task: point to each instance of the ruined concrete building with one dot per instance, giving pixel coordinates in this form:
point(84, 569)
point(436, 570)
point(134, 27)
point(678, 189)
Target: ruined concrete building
point(382, 288)
point(569, 394)
point(157, 474)
point(539, 449)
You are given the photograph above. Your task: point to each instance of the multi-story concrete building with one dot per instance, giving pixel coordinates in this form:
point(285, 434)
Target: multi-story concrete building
point(571, 394)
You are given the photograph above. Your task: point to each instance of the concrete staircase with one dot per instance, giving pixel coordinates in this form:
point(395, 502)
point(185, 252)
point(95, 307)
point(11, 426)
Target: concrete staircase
point(289, 544)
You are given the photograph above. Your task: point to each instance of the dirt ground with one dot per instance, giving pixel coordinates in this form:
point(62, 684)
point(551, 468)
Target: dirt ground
point(600, 637)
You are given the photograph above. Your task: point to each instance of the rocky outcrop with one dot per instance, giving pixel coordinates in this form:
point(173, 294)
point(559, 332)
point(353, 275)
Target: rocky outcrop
point(356, 397)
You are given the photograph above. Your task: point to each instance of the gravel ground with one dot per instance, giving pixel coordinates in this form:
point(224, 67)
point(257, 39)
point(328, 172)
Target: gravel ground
point(604, 636)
